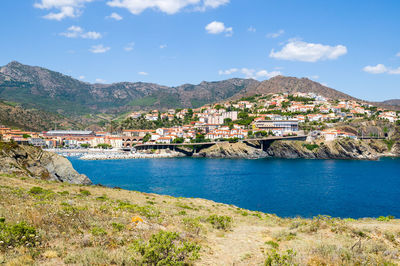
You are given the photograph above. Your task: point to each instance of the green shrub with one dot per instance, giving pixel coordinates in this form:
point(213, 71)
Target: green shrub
point(385, 218)
point(220, 222)
point(275, 258)
point(273, 244)
point(36, 191)
point(102, 198)
point(148, 211)
point(118, 227)
point(19, 234)
point(192, 225)
point(85, 192)
point(311, 147)
point(98, 231)
point(166, 248)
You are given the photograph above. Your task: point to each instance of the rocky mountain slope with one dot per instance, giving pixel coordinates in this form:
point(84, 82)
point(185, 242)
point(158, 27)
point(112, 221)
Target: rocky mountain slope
point(42, 88)
point(282, 84)
point(34, 162)
point(37, 87)
point(12, 115)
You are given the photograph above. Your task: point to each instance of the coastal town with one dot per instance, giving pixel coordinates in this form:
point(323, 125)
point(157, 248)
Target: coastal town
point(247, 118)
point(251, 117)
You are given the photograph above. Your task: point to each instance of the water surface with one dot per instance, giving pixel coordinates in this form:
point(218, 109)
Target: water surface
point(340, 188)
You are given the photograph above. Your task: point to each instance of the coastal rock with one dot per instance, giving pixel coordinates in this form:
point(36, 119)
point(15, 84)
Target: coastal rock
point(338, 149)
point(34, 162)
point(232, 150)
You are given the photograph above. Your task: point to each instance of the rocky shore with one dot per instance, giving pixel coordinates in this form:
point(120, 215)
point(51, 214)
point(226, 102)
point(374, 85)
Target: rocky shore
point(338, 149)
point(21, 160)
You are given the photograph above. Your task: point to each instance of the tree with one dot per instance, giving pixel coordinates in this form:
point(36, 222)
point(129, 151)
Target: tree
point(146, 138)
point(26, 136)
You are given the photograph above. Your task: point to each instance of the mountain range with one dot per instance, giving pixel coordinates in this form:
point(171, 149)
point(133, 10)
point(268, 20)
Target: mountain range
point(43, 89)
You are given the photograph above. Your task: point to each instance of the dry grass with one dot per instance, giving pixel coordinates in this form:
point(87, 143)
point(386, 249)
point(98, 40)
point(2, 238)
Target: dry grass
point(90, 225)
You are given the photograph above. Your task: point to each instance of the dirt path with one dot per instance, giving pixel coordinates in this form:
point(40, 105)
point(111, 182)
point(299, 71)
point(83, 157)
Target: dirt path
point(243, 245)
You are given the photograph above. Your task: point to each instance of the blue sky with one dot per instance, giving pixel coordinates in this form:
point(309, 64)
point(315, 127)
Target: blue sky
point(352, 46)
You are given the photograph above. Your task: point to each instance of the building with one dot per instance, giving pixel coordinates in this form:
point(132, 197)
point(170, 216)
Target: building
point(69, 133)
point(278, 127)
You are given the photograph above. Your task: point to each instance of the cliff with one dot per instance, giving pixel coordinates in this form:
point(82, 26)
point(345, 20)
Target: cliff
point(339, 149)
point(34, 162)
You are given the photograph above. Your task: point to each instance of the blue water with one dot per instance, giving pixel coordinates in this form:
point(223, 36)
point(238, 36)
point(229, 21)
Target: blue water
point(339, 188)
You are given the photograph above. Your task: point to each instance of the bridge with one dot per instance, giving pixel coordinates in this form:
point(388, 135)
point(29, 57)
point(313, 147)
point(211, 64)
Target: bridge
point(198, 146)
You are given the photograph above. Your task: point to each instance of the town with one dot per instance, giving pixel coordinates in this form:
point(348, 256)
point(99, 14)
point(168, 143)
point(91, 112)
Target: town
point(252, 117)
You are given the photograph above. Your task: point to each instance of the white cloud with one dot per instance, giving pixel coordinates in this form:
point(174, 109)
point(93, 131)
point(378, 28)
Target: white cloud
point(274, 35)
point(91, 35)
point(395, 71)
point(215, 3)
point(267, 74)
point(228, 71)
point(78, 32)
point(251, 73)
point(115, 16)
point(163, 46)
point(378, 69)
point(217, 27)
point(398, 54)
point(314, 77)
point(167, 6)
point(142, 73)
point(251, 29)
point(64, 8)
point(81, 77)
point(308, 52)
point(100, 81)
point(129, 47)
point(99, 49)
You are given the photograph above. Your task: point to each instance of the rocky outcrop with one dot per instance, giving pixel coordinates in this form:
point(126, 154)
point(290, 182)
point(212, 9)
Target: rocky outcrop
point(339, 149)
point(34, 162)
point(232, 150)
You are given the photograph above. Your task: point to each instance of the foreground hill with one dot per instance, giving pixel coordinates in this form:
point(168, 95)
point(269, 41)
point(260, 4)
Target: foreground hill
point(48, 223)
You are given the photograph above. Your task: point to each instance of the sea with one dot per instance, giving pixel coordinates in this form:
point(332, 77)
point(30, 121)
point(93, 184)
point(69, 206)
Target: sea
point(287, 188)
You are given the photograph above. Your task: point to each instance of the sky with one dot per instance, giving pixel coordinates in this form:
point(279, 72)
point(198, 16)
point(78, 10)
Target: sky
point(351, 46)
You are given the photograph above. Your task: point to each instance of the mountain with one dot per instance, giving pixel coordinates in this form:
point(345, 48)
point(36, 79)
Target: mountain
point(52, 91)
point(12, 115)
point(281, 84)
point(394, 102)
point(40, 88)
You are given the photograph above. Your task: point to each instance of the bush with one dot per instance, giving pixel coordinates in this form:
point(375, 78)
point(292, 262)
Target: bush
point(36, 191)
point(273, 244)
point(311, 147)
point(118, 227)
point(385, 218)
point(166, 248)
point(148, 211)
point(98, 231)
point(19, 234)
point(220, 222)
point(85, 192)
point(275, 258)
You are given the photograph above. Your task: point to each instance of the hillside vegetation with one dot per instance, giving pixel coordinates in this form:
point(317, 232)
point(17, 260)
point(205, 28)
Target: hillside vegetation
point(49, 223)
point(14, 116)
